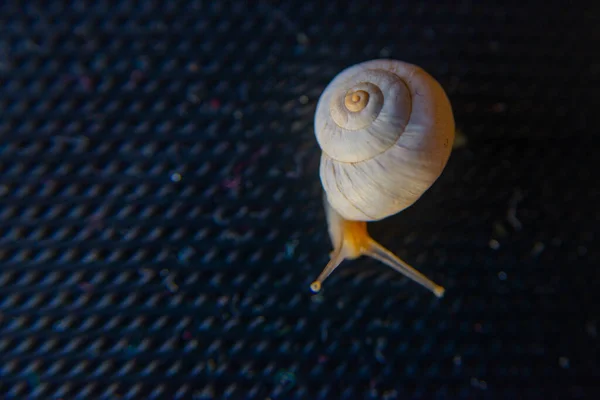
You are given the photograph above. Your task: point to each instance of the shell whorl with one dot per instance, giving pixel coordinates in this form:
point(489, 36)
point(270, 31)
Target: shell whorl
point(353, 131)
point(386, 129)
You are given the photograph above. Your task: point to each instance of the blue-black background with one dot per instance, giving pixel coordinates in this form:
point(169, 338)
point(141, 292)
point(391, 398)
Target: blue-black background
point(161, 216)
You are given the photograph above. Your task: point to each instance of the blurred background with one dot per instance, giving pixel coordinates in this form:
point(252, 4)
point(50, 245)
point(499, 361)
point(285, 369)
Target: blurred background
point(161, 217)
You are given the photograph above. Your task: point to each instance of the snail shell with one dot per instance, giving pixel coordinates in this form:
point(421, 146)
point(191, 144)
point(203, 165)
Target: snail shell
point(386, 130)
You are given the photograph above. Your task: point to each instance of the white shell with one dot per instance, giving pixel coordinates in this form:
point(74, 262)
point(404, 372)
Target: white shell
point(380, 160)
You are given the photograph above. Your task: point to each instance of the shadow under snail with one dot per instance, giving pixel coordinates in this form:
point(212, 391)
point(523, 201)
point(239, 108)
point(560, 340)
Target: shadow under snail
point(386, 131)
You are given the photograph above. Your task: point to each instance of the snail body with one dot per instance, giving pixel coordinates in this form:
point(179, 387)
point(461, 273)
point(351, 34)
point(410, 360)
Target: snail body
point(386, 131)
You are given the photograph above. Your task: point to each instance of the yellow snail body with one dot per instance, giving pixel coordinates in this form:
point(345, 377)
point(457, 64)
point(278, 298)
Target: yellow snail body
point(386, 130)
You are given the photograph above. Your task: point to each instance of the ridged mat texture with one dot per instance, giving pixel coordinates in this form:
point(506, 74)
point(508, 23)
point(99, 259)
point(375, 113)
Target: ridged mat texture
point(161, 217)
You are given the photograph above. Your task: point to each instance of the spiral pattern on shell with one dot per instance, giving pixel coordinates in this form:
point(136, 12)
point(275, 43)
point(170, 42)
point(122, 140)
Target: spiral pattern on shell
point(386, 130)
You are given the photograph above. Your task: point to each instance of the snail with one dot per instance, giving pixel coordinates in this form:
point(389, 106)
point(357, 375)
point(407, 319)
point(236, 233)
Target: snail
point(386, 131)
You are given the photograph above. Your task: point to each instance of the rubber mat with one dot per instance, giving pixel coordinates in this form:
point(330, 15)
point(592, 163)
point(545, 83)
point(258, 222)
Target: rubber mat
point(161, 217)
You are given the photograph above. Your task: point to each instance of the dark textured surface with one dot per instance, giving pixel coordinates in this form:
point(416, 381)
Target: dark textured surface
point(161, 217)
